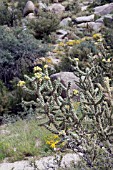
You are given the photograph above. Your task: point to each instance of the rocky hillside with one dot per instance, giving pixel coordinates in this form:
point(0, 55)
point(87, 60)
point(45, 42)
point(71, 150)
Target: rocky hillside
point(56, 65)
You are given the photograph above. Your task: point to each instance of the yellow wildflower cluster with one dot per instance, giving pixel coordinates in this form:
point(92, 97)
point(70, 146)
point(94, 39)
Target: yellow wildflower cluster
point(108, 60)
point(75, 92)
point(38, 75)
point(61, 44)
point(47, 78)
point(53, 141)
point(21, 83)
point(73, 42)
point(97, 36)
point(37, 69)
point(45, 66)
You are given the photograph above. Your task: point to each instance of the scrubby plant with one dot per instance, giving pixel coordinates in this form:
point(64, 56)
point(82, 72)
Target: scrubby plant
point(9, 14)
point(5, 99)
point(44, 24)
point(18, 51)
point(87, 131)
point(72, 6)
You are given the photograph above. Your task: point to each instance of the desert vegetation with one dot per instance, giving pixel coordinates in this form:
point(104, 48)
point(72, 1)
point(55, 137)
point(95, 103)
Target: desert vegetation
point(43, 114)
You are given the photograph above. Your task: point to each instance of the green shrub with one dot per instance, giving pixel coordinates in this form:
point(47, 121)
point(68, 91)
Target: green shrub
point(5, 99)
point(18, 51)
point(9, 14)
point(44, 24)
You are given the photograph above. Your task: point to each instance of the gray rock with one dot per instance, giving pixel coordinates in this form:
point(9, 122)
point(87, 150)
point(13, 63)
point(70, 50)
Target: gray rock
point(65, 22)
point(104, 9)
point(95, 26)
point(42, 164)
point(85, 19)
point(29, 8)
point(31, 16)
point(42, 5)
point(65, 78)
point(57, 8)
point(61, 34)
point(108, 20)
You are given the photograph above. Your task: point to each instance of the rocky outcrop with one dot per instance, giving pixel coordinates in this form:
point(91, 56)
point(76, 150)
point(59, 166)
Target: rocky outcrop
point(104, 9)
point(65, 78)
point(42, 164)
point(29, 8)
point(108, 20)
point(94, 26)
point(84, 19)
point(65, 22)
point(57, 8)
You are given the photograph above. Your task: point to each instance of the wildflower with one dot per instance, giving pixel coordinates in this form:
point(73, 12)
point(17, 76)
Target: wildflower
point(47, 78)
point(75, 91)
point(56, 136)
point(97, 36)
point(21, 83)
point(53, 145)
point(45, 66)
point(61, 44)
point(37, 69)
point(38, 75)
point(103, 60)
point(76, 59)
point(71, 43)
point(108, 60)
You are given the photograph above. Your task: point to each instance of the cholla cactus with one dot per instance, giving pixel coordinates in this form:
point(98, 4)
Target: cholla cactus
point(88, 131)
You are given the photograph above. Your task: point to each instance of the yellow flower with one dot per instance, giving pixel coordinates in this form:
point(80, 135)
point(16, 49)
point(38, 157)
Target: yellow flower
point(45, 66)
point(38, 75)
point(21, 83)
point(53, 145)
point(56, 136)
point(71, 43)
point(103, 60)
point(37, 69)
point(47, 78)
point(108, 60)
point(76, 59)
point(75, 91)
point(97, 36)
point(61, 44)
point(48, 142)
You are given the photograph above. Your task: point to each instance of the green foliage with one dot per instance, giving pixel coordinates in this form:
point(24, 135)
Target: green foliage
point(5, 99)
point(9, 14)
point(44, 24)
point(18, 51)
point(72, 6)
point(22, 139)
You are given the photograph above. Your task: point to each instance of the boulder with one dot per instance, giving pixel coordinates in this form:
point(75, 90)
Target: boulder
point(65, 78)
point(84, 19)
point(61, 34)
point(29, 8)
point(65, 22)
point(31, 16)
point(57, 8)
point(108, 20)
point(104, 9)
point(95, 26)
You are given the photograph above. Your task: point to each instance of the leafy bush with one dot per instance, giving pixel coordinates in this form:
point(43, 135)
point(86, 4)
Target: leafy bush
point(9, 14)
point(44, 24)
point(18, 51)
point(5, 99)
